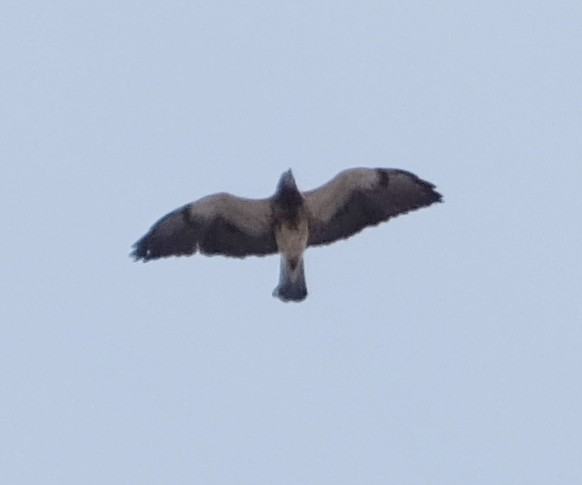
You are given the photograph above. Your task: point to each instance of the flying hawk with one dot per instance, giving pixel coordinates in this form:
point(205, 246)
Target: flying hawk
point(288, 222)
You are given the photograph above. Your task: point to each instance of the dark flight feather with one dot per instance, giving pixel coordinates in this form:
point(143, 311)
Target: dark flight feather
point(362, 197)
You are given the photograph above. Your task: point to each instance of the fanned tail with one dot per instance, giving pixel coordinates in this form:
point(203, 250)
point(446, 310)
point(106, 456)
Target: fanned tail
point(292, 285)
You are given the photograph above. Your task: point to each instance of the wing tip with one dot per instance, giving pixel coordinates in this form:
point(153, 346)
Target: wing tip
point(430, 188)
point(145, 250)
point(437, 196)
point(139, 252)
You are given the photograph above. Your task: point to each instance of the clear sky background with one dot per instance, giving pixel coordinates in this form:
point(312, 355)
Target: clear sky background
point(444, 347)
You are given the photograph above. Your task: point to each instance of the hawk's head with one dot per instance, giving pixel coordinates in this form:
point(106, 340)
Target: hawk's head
point(288, 199)
point(287, 182)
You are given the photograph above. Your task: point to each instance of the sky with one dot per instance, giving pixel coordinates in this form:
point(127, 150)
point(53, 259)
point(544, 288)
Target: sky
point(443, 347)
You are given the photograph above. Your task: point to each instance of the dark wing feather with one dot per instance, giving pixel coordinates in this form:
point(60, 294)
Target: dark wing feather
point(217, 224)
point(363, 197)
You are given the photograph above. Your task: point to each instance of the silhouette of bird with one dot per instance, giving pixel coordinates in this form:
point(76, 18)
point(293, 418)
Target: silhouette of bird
point(288, 222)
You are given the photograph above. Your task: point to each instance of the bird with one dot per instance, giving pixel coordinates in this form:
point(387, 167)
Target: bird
point(288, 222)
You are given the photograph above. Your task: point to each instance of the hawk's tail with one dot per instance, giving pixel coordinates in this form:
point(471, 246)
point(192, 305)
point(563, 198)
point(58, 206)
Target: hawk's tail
point(291, 280)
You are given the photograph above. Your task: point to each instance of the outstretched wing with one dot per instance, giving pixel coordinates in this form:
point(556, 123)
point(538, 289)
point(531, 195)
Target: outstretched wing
point(217, 224)
point(362, 197)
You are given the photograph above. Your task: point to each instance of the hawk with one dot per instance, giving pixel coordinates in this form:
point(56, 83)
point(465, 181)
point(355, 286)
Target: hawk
point(288, 222)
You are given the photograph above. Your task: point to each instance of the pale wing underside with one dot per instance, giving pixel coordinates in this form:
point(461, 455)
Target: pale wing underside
point(217, 224)
point(362, 197)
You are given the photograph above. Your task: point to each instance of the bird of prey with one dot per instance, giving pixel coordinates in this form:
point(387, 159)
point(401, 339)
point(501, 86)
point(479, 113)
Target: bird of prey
point(288, 222)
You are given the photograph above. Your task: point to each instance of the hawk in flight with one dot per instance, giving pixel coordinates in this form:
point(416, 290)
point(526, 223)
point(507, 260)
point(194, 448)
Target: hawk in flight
point(288, 222)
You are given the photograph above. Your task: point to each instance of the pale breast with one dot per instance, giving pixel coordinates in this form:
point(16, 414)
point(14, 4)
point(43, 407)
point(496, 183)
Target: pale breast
point(292, 238)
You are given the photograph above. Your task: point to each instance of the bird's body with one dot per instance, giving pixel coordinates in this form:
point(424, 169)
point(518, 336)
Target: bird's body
point(288, 222)
point(291, 230)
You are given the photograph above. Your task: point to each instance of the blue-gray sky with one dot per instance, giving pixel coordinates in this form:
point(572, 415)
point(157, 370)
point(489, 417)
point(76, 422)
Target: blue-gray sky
point(443, 347)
